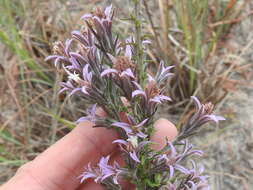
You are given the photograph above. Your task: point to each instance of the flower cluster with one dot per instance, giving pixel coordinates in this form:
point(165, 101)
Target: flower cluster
point(101, 69)
point(202, 116)
point(105, 174)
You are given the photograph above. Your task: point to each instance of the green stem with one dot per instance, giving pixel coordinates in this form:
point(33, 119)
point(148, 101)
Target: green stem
point(138, 42)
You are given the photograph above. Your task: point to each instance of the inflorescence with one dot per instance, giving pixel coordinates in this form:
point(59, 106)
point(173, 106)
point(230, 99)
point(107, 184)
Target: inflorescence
point(101, 69)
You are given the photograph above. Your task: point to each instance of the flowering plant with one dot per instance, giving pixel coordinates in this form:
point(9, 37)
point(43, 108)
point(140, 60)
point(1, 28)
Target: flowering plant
point(109, 73)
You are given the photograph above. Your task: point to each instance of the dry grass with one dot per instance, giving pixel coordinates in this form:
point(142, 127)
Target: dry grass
point(33, 116)
point(191, 34)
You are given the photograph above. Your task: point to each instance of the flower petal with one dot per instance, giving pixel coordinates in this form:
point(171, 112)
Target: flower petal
point(142, 123)
point(86, 16)
point(139, 92)
point(128, 72)
point(108, 71)
point(122, 125)
point(120, 141)
point(134, 156)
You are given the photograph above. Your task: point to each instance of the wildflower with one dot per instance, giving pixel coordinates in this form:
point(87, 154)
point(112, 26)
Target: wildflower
point(122, 65)
point(102, 172)
point(132, 129)
point(101, 70)
point(100, 24)
point(131, 148)
point(171, 160)
point(91, 115)
point(163, 73)
point(204, 113)
point(85, 38)
point(152, 94)
point(202, 116)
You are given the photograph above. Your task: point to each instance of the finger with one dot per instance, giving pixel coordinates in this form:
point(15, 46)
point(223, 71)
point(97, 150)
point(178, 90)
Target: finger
point(164, 129)
point(59, 166)
point(91, 185)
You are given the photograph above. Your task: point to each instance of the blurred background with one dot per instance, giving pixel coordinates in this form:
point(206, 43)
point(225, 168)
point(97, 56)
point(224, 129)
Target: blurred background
point(210, 42)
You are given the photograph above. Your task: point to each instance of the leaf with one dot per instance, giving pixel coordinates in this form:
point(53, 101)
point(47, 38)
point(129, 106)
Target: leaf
point(151, 184)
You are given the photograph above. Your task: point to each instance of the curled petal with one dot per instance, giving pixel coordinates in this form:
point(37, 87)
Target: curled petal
point(122, 125)
point(98, 25)
point(212, 118)
point(160, 98)
point(196, 102)
point(103, 163)
point(108, 11)
point(75, 90)
point(86, 16)
point(172, 170)
point(82, 119)
point(172, 149)
point(63, 90)
point(79, 36)
point(120, 141)
point(181, 169)
point(146, 42)
point(67, 46)
point(57, 61)
point(156, 100)
point(108, 71)
point(142, 123)
point(112, 58)
point(128, 73)
point(106, 176)
point(139, 92)
point(128, 52)
point(79, 57)
point(150, 78)
point(87, 175)
point(165, 70)
point(141, 135)
point(86, 75)
point(84, 90)
point(134, 156)
point(51, 57)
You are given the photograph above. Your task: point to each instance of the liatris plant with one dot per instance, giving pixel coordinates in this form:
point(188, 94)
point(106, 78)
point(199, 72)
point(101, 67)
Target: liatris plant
point(104, 71)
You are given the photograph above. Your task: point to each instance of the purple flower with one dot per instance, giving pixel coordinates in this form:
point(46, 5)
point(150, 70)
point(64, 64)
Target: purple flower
point(85, 38)
point(202, 116)
point(103, 172)
point(122, 65)
point(100, 14)
point(82, 83)
point(204, 113)
point(151, 94)
point(91, 115)
point(67, 86)
point(163, 73)
point(171, 160)
point(100, 24)
point(195, 179)
point(131, 147)
point(132, 129)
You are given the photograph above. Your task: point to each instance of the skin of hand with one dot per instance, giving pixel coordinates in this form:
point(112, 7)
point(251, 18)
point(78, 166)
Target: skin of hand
point(58, 167)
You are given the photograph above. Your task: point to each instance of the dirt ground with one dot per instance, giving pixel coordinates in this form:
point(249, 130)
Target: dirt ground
point(229, 149)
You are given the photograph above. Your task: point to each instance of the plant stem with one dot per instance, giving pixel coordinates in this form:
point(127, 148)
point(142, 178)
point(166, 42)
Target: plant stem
point(138, 41)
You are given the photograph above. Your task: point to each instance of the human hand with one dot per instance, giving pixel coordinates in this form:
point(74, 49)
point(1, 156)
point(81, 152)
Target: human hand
point(59, 166)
